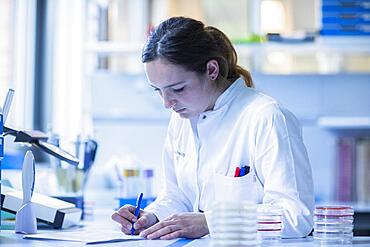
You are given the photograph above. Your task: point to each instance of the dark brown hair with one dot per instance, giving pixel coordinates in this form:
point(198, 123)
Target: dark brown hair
point(188, 43)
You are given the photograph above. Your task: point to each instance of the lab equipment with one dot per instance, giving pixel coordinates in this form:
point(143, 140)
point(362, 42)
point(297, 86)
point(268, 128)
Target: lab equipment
point(131, 183)
point(137, 211)
point(3, 116)
point(7, 103)
point(39, 139)
point(333, 224)
point(147, 178)
point(58, 213)
point(72, 180)
point(1, 150)
point(55, 212)
point(25, 218)
point(34, 137)
point(233, 224)
point(269, 219)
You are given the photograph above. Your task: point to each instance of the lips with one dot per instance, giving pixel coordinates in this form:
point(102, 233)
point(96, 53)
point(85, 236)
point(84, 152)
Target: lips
point(179, 110)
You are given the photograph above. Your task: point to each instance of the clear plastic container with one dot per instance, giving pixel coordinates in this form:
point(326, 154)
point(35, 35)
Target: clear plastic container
point(235, 243)
point(269, 222)
point(333, 237)
point(147, 176)
point(333, 224)
point(131, 183)
point(233, 224)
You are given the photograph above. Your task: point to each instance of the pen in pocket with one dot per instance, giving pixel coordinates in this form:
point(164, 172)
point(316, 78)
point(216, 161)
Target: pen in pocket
point(237, 172)
point(241, 171)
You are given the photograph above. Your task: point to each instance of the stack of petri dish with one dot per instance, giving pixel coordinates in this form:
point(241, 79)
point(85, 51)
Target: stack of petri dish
point(234, 224)
point(269, 219)
point(333, 224)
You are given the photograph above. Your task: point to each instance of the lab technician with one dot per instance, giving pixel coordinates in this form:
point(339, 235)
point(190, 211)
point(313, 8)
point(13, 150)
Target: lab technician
point(219, 122)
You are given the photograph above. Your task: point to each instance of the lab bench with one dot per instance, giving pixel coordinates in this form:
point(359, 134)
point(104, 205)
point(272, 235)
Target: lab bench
point(101, 220)
point(9, 238)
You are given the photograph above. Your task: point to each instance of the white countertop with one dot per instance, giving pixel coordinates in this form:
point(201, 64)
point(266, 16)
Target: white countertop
point(101, 220)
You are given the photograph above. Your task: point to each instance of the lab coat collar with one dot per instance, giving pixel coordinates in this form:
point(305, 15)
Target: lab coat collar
point(229, 93)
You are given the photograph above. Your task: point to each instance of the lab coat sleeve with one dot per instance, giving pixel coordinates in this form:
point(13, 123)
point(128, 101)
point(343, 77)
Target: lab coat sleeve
point(282, 163)
point(171, 199)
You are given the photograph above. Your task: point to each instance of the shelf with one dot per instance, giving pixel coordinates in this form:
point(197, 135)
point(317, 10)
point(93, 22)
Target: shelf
point(325, 44)
point(322, 44)
point(344, 123)
point(324, 56)
point(109, 48)
point(142, 120)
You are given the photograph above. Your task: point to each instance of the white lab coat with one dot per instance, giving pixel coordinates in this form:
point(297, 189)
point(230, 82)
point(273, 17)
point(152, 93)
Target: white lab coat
point(245, 127)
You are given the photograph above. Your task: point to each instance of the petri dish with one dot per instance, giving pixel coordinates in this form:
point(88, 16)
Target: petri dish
point(333, 224)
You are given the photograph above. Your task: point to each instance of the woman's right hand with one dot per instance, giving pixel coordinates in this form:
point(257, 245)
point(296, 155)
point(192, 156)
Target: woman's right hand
point(126, 215)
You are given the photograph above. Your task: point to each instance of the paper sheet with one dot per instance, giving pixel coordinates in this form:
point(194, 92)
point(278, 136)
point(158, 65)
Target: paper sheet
point(88, 236)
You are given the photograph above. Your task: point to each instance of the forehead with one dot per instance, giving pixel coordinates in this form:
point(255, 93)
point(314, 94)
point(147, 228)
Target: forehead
point(161, 73)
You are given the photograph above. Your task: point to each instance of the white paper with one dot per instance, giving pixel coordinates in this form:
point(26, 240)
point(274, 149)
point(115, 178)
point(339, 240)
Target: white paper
point(88, 236)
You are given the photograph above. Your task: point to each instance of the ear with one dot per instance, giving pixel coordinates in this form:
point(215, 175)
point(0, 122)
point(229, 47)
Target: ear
point(213, 69)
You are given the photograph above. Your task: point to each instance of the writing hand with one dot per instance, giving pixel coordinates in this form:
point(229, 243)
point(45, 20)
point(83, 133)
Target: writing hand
point(184, 225)
point(125, 216)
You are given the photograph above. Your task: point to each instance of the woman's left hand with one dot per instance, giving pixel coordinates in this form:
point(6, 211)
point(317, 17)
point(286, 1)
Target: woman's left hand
point(184, 225)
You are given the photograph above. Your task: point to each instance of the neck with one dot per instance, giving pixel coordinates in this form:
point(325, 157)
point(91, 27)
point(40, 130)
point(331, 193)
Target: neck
point(221, 85)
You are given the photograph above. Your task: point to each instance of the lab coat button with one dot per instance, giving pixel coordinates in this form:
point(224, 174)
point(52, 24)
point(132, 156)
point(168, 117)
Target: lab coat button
point(204, 117)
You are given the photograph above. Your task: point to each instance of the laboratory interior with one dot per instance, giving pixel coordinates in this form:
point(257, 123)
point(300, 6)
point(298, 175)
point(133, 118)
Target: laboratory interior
point(82, 131)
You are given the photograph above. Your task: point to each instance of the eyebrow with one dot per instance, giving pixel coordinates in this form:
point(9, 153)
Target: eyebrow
point(171, 85)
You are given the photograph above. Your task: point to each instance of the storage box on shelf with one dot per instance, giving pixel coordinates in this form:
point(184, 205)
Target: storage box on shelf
point(350, 17)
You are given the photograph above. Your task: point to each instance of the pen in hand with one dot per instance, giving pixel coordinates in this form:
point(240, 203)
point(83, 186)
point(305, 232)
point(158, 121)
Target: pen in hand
point(137, 211)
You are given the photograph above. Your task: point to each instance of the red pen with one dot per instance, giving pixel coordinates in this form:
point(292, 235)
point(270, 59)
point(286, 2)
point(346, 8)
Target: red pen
point(237, 172)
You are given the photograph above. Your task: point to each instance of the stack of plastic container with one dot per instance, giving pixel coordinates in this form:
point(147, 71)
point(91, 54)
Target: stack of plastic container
point(269, 222)
point(333, 224)
point(234, 224)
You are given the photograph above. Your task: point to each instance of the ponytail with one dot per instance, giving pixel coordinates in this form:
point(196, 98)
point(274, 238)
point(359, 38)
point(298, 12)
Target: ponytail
point(246, 76)
point(226, 47)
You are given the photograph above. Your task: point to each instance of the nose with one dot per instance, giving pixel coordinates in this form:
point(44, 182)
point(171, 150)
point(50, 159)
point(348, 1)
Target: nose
point(168, 101)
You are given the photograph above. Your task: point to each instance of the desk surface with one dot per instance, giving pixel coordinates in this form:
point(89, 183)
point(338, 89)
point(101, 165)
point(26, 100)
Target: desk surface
point(102, 219)
point(10, 239)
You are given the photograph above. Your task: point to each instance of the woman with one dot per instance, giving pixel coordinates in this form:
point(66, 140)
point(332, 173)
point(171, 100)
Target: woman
point(219, 123)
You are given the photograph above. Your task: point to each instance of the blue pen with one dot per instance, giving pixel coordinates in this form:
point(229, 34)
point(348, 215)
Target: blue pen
point(242, 171)
point(137, 211)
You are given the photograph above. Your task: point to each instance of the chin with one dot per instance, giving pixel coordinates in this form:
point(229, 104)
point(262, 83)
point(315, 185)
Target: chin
point(186, 115)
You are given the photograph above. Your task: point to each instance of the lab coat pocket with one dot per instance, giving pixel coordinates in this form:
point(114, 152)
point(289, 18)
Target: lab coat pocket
point(228, 188)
